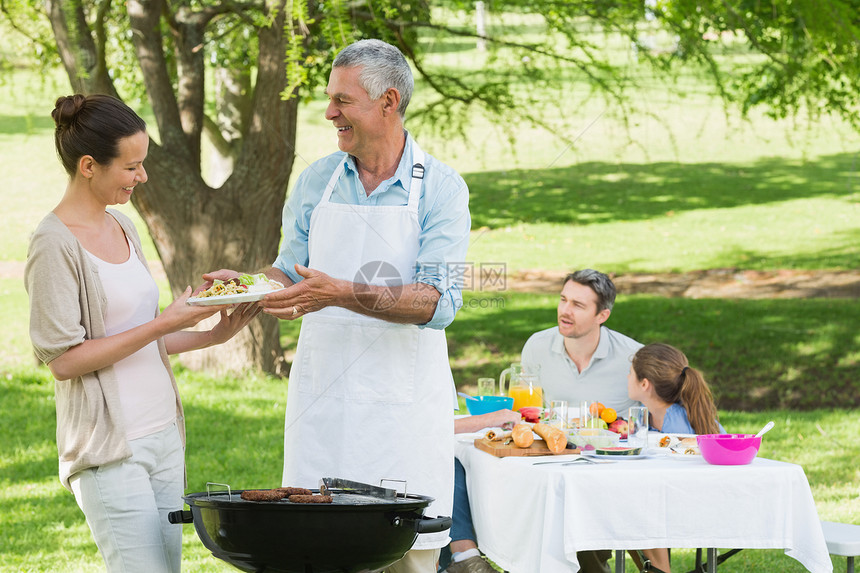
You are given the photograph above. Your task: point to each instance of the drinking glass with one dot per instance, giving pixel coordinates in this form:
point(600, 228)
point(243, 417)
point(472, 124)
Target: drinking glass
point(486, 386)
point(588, 416)
point(582, 414)
point(637, 427)
point(558, 414)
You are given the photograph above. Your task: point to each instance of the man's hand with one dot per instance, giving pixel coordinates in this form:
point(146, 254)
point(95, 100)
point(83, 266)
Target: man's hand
point(223, 275)
point(477, 423)
point(412, 303)
point(316, 291)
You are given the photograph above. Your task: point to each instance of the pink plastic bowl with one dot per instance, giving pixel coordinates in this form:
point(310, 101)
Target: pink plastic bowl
point(728, 449)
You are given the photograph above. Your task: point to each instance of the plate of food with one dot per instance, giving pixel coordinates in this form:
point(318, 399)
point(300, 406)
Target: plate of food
point(244, 288)
point(679, 446)
point(684, 452)
point(657, 440)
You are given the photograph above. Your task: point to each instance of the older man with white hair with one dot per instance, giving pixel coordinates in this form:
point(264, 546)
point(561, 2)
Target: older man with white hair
point(371, 235)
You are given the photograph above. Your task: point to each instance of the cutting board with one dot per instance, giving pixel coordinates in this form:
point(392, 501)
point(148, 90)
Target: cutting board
point(502, 450)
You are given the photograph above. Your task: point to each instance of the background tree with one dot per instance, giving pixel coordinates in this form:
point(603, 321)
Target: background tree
point(236, 72)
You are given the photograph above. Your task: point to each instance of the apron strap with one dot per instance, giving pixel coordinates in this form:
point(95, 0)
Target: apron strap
point(417, 177)
point(332, 182)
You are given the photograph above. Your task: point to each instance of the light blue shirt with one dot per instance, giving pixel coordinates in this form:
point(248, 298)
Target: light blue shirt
point(675, 421)
point(443, 213)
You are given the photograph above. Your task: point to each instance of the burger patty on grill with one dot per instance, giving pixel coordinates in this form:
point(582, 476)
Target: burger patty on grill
point(302, 498)
point(262, 495)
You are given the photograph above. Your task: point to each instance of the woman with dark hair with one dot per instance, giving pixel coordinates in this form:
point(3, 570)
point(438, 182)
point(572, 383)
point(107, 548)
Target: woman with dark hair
point(678, 399)
point(94, 321)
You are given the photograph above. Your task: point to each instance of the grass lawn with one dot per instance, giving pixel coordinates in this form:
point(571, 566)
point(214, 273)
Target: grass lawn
point(44, 531)
point(235, 436)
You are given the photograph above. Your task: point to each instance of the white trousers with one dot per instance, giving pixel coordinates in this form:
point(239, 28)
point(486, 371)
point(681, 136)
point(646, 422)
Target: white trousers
point(416, 561)
point(126, 505)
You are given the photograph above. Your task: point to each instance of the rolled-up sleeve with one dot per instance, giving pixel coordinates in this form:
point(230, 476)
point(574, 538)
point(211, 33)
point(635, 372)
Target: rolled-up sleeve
point(444, 241)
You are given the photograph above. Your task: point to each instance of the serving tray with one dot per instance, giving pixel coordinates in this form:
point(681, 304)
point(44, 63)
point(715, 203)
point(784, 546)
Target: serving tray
point(502, 450)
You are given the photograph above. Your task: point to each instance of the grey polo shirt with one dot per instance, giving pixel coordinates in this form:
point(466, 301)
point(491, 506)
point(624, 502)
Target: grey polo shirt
point(603, 380)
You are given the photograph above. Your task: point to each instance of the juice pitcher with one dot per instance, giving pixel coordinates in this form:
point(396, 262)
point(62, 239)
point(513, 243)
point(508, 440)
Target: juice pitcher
point(508, 376)
point(526, 390)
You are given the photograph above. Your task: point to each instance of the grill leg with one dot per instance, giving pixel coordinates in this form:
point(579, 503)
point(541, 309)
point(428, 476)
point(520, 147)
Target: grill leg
point(712, 560)
point(619, 560)
point(851, 564)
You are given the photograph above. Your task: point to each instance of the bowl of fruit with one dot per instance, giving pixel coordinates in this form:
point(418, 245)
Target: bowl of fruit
point(729, 449)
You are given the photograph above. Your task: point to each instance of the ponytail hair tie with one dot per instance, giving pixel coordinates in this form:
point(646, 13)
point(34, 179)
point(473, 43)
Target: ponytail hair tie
point(684, 370)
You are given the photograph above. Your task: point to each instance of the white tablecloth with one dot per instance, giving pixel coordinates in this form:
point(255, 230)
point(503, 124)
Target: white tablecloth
point(534, 518)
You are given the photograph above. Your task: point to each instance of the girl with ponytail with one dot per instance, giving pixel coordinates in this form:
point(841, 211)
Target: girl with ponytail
point(678, 399)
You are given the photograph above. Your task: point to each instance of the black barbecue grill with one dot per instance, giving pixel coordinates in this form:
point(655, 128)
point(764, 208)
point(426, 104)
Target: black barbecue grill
point(364, 529)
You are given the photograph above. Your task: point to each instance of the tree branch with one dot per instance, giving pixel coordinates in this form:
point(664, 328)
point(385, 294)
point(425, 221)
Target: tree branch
point(240, 9)
point(751, 37)
point(101, 36)
point(144, 16)
point(396, 25)
point(77, 49)
point(213, 131)
point(10, 18)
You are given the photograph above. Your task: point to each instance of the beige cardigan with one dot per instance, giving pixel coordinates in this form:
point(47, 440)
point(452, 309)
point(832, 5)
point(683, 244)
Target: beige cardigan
point(67, 306)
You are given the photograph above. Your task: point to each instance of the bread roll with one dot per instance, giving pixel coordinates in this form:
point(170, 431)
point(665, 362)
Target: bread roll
point(555, 439)
point(522, 435)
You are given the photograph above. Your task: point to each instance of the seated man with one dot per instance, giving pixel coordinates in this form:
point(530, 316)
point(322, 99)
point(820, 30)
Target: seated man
point(580, 359)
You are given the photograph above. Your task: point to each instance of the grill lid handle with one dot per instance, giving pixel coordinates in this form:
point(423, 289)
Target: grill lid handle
point(349, 486)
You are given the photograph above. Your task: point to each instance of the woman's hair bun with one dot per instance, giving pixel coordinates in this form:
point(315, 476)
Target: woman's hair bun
point(92, 125)
point(67, 108)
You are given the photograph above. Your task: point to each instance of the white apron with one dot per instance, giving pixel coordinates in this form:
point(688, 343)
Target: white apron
point(369, 399)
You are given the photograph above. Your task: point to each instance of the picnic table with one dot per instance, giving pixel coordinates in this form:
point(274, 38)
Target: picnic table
point(533, 518)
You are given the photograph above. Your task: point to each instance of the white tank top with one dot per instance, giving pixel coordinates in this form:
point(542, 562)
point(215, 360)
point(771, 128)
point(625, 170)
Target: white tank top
point(145, 391)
